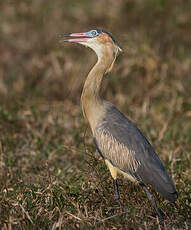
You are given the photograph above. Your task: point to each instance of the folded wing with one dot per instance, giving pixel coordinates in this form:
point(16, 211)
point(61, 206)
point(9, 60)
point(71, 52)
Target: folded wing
point(126, 148)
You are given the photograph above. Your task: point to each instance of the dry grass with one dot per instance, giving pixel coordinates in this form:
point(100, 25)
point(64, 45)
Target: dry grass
point(50, 175)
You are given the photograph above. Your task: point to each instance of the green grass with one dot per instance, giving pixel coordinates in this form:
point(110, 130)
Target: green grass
point(50, 174)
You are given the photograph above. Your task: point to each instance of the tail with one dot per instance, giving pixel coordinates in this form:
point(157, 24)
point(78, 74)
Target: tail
point(165, 186)
point(154, 173)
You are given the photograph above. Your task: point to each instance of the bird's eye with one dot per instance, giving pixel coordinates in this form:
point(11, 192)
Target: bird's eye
point(94, 33)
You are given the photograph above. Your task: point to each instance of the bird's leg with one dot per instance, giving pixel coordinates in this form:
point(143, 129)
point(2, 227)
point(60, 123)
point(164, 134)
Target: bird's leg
point(116, 191)
point(113, 172)
point(160, 214)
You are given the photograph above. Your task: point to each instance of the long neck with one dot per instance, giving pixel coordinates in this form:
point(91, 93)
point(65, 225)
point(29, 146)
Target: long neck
point(92, 104)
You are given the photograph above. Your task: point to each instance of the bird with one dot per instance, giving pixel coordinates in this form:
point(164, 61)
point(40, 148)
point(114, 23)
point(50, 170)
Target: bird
point(120, 143)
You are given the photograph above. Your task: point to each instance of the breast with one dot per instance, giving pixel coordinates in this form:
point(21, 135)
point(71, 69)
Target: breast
point(94, 113)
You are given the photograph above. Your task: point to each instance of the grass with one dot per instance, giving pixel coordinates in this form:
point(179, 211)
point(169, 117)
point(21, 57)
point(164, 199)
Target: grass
point(51, 176)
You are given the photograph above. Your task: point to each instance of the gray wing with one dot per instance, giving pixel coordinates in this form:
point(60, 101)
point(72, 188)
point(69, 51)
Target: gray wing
point(123, 144)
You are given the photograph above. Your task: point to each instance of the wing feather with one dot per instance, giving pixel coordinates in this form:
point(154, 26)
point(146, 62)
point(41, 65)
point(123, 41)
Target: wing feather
point(114, 151)
point(123, 144)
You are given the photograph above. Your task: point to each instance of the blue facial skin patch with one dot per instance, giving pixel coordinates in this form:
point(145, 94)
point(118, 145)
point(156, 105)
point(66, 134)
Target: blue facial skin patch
point(95, 33)
point(92, 33)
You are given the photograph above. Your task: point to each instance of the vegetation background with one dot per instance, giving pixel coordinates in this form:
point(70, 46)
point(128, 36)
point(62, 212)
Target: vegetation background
point(50, 175)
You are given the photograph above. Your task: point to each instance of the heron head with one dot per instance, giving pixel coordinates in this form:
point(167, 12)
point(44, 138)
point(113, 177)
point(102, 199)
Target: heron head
point(97, 39)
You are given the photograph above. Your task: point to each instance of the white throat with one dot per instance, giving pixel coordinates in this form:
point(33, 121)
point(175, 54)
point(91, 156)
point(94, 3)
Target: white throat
point(95, 46)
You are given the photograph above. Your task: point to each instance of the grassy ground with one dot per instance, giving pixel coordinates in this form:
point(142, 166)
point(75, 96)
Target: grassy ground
point(50, 175)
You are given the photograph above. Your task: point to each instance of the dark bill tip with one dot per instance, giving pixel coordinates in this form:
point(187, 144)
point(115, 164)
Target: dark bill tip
point(63, 35)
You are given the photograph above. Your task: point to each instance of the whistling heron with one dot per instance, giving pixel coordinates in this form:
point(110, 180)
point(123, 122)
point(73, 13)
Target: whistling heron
point(120, 143)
